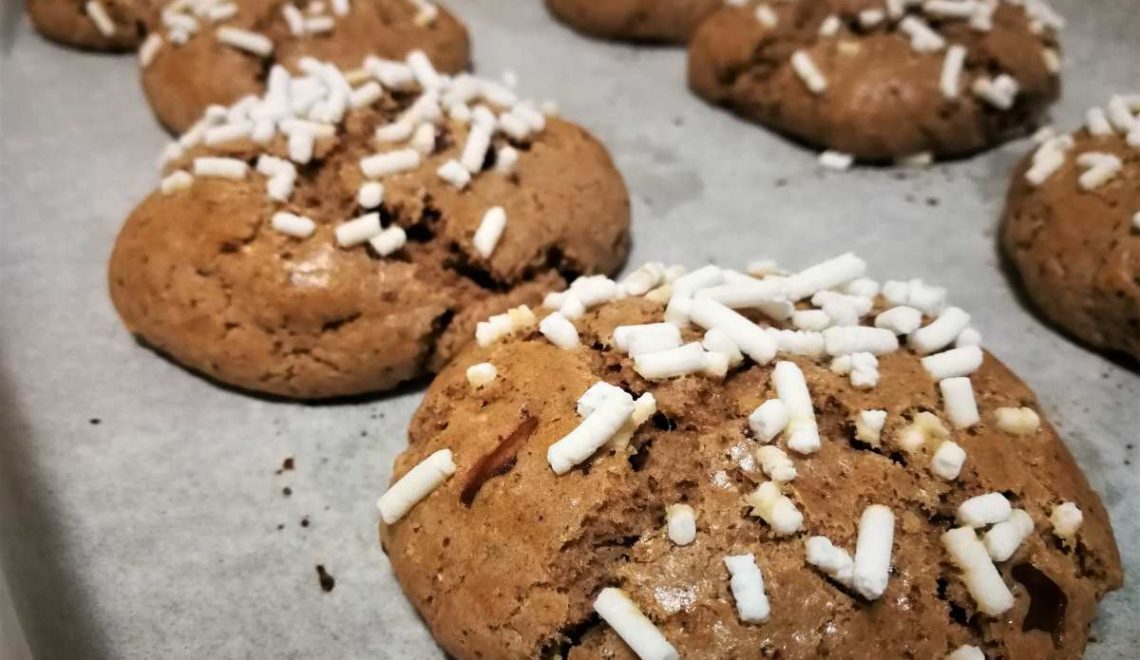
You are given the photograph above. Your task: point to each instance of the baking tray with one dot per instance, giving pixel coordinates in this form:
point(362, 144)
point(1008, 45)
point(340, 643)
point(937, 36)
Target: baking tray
point(141, 510)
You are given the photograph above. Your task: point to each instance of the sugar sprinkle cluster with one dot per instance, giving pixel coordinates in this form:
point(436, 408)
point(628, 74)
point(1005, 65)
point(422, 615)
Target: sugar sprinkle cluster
point(830, 306)
point(182, 19)
point(297, 114)
point(919, 22)
point(1119, 119)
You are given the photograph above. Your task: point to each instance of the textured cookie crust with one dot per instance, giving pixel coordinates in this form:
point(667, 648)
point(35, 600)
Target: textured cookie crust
point(67, 22)
point(182, 80)
point(883, 99)
point(202, 276)
point(671, 21)
point(513, 574)
point(1076, 251)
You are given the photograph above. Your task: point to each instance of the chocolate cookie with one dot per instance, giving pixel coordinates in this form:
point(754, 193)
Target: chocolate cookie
point(112, 25)
point(198, 58)
point(634, 20)
point(1072, 227)
point(347, 254)
point(882, 82)
point(665, 476)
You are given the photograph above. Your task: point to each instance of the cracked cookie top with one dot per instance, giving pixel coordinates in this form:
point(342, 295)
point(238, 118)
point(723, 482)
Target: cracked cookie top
point(882, 81)
point(634, 20)
point(207, 52)
point(726, 465)
point(344, 232)
point(1072, 226)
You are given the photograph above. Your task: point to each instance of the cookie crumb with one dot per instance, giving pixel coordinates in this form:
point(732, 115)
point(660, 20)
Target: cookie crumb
point(327, 581)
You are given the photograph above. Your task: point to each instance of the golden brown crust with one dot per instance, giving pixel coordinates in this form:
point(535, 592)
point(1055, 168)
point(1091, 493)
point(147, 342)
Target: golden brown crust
point(513, 574)
point(200, 274)
point(1076, 251)
point(671, 21)
point(67, 22)
point(183, 80)
point(883, 99)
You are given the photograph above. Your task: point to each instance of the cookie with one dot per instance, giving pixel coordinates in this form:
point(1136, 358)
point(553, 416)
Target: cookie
point(110, 25)
point(348, 254)
point(752, 483)
point(671, 21)
point(1071, 227)
point(882, 83)
point(195, 60)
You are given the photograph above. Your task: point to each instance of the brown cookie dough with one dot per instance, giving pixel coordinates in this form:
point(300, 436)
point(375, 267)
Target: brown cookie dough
point(182, 80)
point(671, 21)
point(202, 275)
point(505, 558)
point(1077, 250)
point(111, 25)
point(883, 99)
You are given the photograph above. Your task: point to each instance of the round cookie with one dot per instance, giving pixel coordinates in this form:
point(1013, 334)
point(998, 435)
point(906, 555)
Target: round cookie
point(511, 524)
point(110, 25)
point(882, 82)
point(291, 298)
point(1071, 228)
point(671, 21)
point(185, 72)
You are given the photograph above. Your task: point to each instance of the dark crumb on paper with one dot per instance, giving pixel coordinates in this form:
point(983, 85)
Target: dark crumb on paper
point(286, 465)
point(364, 433)
point(932, 201)
point(305, 521)
point(326, 581)
point(95, 421)
point(286, 491)
point(280, 526)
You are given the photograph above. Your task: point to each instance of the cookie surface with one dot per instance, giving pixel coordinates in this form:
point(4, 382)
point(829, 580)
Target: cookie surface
point(111, 25)
point(202, 275)
point(670, 21)
point(183, 79)
point(504, 558)
point(880, 94)
point(1077, 250)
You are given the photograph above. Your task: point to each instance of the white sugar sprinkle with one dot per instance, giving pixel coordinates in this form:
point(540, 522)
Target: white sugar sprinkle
point(392, 162)
point(454, 173)
point(251, 42)
point(958, 399)
point(836, 160)
point(389, 241)
point(414, 486)
point(635, 629)
point(952, 71)
point(175, 181)
point(149, 49)
point(99, 16)
point(747, 585)
point(808, 72)
point(481, 374)
point(370, 194)
point(293, 225)
point(358, 230)
point(490, 231)
point(681, 523)
point(225, 168)
point(873, 551)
